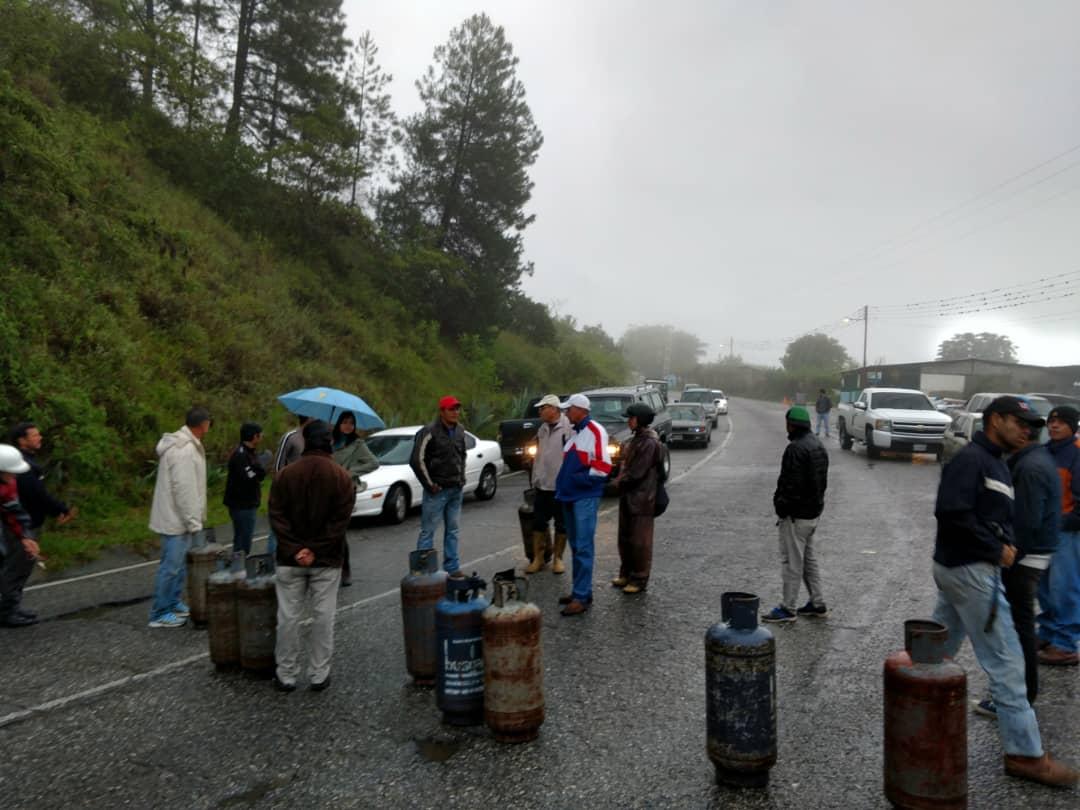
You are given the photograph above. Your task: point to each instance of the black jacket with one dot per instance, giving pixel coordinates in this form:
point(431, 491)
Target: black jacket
point(1037, 503)
point(804, 475)
point(243, 487)
point(437, 458)
point(974, 507)
point(33, 496)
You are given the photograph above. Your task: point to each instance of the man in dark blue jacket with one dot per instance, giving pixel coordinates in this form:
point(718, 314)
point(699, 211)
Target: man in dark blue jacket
point(1036, 509)
point(36, 499)
point(975, 540)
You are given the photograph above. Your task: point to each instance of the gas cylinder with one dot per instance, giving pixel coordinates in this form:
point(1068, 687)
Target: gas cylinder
point(221, 603)
point(202, 559)
point(525, 519)
point(459, 680)
point(421, 591)
point(925, 722)
point(256, 615)
point(740, 698)
point(513, 662)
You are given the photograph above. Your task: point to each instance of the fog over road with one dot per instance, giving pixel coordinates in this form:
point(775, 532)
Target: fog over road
point(99, 711)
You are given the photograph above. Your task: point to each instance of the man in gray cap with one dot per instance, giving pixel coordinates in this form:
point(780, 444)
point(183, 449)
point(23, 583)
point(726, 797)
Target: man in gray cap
point(550, 440)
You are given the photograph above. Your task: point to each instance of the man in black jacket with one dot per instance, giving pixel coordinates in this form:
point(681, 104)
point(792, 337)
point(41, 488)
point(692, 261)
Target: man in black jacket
point(438, 459)
point(243, 486)
point(38, 502)
point(974, 542)
point(799, 501)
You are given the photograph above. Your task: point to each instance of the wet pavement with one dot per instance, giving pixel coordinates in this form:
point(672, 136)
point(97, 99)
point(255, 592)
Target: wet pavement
point(100, 711)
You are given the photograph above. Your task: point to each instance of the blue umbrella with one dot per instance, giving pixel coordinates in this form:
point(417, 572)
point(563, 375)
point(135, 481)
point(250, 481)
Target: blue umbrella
point(329, 403)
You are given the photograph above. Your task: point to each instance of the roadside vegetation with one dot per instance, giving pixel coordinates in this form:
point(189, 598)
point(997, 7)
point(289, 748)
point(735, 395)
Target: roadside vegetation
point(173, 233)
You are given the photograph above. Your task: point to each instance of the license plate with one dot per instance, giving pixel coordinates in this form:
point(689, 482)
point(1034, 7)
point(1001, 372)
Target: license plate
point(918, 448)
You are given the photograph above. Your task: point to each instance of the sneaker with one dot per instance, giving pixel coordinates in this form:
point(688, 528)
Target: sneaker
point(168, 620)
point(634, 587)
point(321, 685)
point(17, 620)
point(813, 611)
point(281, 686)
point(779, 614)
point(986, 708)
point(181, 610)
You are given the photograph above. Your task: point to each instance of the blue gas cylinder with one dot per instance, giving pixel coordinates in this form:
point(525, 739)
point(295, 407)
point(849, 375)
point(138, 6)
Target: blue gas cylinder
point(459, 623)
point(740, 702)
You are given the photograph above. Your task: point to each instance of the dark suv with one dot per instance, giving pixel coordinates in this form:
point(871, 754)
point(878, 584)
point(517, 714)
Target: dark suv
point(608, 406)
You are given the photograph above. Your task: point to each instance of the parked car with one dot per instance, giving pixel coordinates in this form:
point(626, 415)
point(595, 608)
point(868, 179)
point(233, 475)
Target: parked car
point(1058, 399)
point(690, 424)
point(393, 489)
point(516, 435)
point(959, 433)
point(608, 407)
point(704, 397)
point(720, 401)
point(892, 419)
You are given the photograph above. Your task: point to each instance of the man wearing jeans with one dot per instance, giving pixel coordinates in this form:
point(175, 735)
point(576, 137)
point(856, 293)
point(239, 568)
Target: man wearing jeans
point(311, 502)
point(578, 487)
point(974, 542)
point(822, 407)
point(438, 460)
point(243, 486)
point(178, 511)
point(799, 501)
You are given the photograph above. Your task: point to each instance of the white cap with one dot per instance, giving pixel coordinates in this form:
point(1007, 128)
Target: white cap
point(11, 460)
point(549, 399)
point(577, 401)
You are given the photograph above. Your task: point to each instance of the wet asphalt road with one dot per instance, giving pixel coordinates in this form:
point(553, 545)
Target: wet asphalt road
point(99, 711)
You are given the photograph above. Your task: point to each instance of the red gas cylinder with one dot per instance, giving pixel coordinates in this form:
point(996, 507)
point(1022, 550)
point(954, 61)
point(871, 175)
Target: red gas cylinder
point(925, 723)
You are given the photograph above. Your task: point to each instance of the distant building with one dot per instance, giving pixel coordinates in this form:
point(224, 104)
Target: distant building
point(962, 378)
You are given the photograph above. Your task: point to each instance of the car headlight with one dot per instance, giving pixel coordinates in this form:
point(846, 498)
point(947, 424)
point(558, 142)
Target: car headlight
point(882, 424)
point(532, 450)
point(613, 449)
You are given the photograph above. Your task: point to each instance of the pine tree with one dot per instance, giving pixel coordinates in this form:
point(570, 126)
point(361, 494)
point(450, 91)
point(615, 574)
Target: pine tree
point(373, 121)
point(465, 184)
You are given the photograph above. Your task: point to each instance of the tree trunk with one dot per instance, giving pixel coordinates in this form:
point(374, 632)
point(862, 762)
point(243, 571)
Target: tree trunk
point(194, 63)
point(243, 41)
point(271, 138)
point(359, 130)
point(459, 156)
point(148, 58)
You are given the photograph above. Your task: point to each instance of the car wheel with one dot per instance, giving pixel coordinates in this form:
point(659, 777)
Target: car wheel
point(845, 438)
point(939, 454)
point(396, 507)
point(489, 482)
point(871, 451)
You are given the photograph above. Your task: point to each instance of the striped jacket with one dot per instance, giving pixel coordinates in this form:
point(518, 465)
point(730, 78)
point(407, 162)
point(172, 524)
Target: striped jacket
point(586, 463)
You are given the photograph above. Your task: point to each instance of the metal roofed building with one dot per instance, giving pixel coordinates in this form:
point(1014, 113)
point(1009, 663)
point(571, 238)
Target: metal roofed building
point(962, 378)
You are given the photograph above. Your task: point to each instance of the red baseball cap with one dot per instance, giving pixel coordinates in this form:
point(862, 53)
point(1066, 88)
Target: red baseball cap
point(448, 402)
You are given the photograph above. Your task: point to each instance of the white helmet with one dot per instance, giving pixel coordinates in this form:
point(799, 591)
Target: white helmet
point(11, 460)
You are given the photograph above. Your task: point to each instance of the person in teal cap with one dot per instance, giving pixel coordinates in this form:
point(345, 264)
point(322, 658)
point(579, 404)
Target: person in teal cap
point(799, 501)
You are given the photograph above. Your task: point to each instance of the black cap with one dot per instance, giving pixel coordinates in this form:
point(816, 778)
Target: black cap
point(642, 411)
point(1014, 405)
point(249, 430)
point(1067, 414)
point(317, 436)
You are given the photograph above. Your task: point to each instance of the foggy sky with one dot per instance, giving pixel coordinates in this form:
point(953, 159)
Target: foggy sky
point(761, 169)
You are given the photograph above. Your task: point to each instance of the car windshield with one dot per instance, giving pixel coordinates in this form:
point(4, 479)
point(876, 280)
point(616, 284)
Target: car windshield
point(689, 412)
point(696, 396)
point(609, 409)
point(391, 449)
point(719, 395)
point(902, 401)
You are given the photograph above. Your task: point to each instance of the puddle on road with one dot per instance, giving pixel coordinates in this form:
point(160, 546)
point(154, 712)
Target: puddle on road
point(437, 750)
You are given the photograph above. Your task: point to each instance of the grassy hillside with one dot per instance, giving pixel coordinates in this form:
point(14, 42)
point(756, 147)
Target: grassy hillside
point(127, 299)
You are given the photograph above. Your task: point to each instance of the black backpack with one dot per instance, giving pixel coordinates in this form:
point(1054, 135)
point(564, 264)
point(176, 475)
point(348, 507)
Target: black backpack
point(662, 499)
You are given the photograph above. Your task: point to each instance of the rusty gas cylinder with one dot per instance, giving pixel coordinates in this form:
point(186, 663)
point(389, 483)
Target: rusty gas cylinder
point(513, 663)
point(256, 614)
point(221, 612)
point(202, 559)
point(740, 697)
point(459, 678)
point(925, 722)
point(421, 591)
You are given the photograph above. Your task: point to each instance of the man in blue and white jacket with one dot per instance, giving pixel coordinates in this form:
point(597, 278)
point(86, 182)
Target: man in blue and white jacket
point(578, 487)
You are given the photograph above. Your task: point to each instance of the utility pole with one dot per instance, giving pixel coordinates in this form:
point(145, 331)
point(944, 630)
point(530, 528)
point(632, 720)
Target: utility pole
point(865, 330)
point(731, 349)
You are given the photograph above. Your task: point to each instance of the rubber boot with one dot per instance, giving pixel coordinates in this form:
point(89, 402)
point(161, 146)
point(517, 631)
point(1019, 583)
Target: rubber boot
point(557, 566)
point(537, 563)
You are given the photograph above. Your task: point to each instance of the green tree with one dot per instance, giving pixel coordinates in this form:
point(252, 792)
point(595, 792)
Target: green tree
point(982, 346)
point(373, 121)
point(815, 354)
point(465, 183)
point(657, 350)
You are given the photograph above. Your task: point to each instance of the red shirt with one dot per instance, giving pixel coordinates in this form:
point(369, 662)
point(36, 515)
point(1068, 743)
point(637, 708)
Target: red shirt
point(11, 510)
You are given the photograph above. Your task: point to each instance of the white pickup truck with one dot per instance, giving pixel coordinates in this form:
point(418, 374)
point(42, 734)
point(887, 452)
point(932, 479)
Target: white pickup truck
point(892, 419)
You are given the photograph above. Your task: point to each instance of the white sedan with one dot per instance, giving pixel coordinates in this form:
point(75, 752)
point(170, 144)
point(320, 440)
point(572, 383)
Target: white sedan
point(720, 402)
point(392, 489)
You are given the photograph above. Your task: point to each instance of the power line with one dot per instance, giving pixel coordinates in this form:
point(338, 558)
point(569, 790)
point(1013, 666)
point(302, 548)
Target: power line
point(994, 291)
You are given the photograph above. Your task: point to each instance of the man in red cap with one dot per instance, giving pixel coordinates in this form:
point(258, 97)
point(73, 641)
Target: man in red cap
point(438, 459)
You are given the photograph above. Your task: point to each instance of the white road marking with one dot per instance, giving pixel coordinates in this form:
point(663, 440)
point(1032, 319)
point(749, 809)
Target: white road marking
point(67, 700)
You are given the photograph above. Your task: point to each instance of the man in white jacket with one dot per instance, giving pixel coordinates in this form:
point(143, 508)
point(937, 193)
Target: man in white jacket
point(178, 511)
